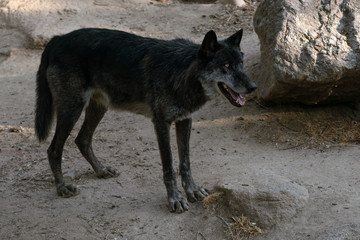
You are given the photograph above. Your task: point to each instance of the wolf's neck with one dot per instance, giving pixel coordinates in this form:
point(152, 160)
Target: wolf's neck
point(190, 91)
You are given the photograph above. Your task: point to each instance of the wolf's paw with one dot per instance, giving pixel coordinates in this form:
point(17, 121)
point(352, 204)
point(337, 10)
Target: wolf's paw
point(67, 190)
point(178, 203)
point(196, 193)
point(107, 172)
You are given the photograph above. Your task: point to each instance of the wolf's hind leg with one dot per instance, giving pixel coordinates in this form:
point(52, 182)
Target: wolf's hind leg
point(93, 115)
point(67, 116)
point(193, 191)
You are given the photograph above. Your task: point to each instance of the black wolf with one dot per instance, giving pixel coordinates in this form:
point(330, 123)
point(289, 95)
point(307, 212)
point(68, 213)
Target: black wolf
point(98, 69)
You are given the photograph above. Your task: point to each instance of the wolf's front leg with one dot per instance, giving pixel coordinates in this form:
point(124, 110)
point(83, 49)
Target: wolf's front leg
point(193, 192)
point(177, 202)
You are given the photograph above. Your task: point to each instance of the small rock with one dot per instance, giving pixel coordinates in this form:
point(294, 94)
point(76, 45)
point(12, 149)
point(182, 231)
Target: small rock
point(264, 197)
point(70, 175)
point(238, 3)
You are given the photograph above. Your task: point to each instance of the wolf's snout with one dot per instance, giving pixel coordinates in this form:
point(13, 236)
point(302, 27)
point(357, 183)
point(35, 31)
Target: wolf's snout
point(252, 87)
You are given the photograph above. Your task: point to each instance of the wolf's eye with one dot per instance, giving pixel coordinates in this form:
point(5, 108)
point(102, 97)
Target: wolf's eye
point(227, 65)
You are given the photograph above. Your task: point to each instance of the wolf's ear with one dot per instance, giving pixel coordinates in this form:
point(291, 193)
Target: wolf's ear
point(209, 45)
point(235, 39)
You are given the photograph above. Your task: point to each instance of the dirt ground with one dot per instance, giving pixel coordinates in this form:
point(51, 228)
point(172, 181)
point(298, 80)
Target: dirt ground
point(314, 146)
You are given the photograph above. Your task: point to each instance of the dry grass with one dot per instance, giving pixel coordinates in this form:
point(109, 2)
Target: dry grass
point(305, 127)
point(240, 228)
point(335, 131)
point(243, 228)
point(211, 199)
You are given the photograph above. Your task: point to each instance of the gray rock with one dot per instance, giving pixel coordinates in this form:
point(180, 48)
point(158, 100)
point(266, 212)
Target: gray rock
point(238, 3)
point(310, 51)
point(11, 38)
point(346, 232)
point(39, 21)
point(264, 197)
point(70, 175)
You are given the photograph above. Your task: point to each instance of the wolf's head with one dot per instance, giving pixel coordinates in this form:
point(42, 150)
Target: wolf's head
point(222, 68)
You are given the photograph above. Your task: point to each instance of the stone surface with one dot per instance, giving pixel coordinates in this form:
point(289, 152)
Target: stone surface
point(70, 175)
point(238, 3)
point(309, 51)
point(38, 21)
point(264, 197)
point(347, 232)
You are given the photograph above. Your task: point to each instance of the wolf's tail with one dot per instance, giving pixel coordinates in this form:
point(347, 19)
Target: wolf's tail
point(44, 103)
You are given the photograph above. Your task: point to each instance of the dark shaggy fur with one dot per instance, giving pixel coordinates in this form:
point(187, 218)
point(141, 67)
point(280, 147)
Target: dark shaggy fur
point(98, 69)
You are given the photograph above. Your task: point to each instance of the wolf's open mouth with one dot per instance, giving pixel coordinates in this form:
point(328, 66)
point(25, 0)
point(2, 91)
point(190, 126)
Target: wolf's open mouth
point(235, 98)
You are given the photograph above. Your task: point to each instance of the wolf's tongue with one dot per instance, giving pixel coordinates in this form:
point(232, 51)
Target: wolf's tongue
point(237, 97)
point(241, 100)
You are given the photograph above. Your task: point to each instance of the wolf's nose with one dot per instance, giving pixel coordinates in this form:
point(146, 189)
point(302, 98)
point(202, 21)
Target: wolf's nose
point(252, 87)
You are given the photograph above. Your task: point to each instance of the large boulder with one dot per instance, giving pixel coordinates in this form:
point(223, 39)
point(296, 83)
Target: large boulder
point(264, 197)
point(310, 51)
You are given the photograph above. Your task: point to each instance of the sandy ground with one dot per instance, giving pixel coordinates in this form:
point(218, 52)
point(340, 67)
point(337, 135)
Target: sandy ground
point(316, 147)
